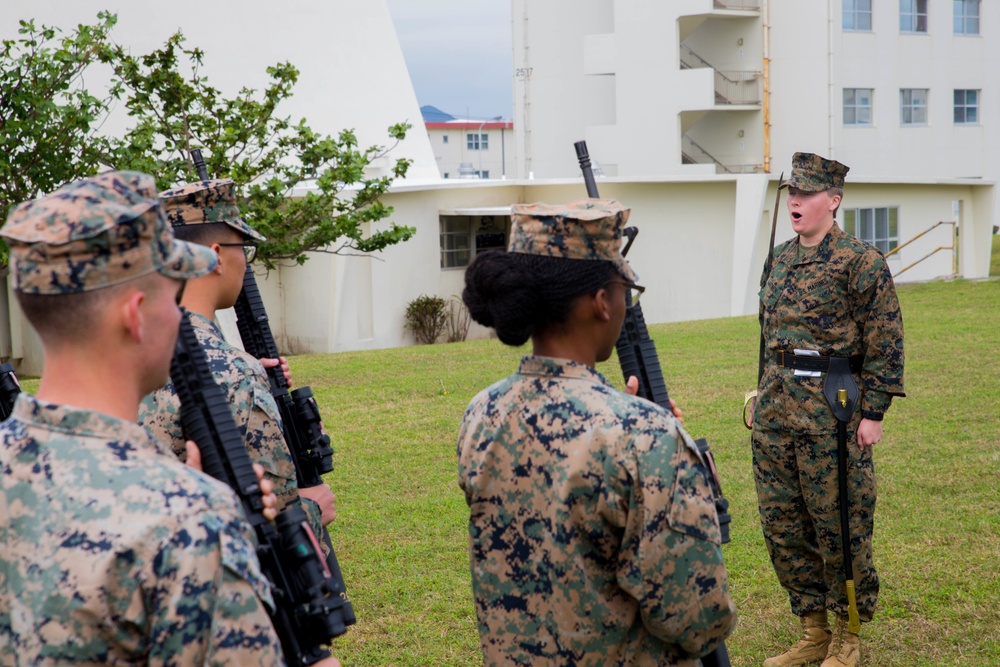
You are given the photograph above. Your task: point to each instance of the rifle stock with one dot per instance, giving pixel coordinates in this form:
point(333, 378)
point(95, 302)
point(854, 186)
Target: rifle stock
point(309, 610)
point(638, 358)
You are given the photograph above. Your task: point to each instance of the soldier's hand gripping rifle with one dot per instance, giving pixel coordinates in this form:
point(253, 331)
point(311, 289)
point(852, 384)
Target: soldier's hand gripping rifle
point(309, 611)
point(301, 423)
point(638, 358)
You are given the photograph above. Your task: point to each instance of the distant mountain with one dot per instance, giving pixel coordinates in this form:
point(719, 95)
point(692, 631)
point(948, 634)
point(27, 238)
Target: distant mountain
point(432, 114)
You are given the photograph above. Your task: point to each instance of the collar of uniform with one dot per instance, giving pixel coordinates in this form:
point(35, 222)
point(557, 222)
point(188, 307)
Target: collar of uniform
point(823, 253)
point(562, 368)
point(85, 423)
point(199, 321)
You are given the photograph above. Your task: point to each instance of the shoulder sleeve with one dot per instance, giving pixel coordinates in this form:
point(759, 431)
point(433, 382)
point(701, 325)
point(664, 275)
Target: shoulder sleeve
point(160, 414)
point(877, 314)
point(675, 567)
point(206, 597)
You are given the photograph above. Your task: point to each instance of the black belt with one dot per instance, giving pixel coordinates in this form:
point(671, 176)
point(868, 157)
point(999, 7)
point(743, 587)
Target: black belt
point(807, 363)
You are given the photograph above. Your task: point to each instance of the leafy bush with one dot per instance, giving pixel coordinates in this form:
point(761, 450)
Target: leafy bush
point(426, 316)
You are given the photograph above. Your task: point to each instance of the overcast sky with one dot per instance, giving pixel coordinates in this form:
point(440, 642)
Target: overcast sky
point(458, 53)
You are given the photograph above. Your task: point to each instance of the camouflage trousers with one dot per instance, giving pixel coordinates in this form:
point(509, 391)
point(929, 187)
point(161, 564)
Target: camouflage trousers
point(797, 492)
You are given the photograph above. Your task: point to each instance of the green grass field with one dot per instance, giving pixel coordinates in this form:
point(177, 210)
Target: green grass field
point(401, 527)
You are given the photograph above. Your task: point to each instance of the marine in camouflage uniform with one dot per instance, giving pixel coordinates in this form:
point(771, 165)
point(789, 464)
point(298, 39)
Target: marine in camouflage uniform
point(593, 536)
point(835, 298)
point(114, 551)
point(239, 374)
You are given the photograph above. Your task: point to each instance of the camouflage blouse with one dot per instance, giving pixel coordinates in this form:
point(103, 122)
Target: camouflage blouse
point(593, 537)
point(838, 299)
point(114, 553)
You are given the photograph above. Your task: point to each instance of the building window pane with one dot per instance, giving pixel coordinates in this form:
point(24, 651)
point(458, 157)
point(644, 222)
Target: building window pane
point(913, 15)
point(966, 107)
point(877, 226)
point(966, 17)
point(913, 106)
point(857, 106)
point(477, 142)
point(456, 241)
point(857, 14)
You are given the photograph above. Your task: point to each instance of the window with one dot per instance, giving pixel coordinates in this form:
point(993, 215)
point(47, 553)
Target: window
point(966, 107)
point(877, 226)
point(913, 106)
point(485, 173)
point(857, 106)
point(462, 236)
point(444, 139)
point(966, 17)
point(477, 142)
point(456, 241)
point(913, 15)
point(857, 14)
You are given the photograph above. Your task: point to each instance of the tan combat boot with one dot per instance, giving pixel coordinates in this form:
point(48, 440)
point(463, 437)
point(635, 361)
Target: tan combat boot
point(811, 648)
point(845, 649)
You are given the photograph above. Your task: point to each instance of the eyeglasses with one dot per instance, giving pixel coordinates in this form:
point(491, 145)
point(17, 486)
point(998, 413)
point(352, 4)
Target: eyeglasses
point(632, 293)
point(249, 249)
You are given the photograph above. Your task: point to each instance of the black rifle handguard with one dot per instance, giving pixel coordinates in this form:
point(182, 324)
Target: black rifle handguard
point(309, 610)
point(9, 389)
point(637, 357)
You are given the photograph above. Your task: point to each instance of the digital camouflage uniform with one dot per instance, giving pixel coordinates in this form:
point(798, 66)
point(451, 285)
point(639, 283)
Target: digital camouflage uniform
point(239, 374)
point(838, 299)
point(113, 551)
point(593, 536)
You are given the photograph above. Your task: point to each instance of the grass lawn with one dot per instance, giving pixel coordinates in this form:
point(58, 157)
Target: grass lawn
point(401, 527)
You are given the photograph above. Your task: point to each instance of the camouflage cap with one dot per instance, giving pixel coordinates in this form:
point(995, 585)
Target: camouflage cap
point(588, 229)
point(205, 202)
point(812, 173)
point(95, 233)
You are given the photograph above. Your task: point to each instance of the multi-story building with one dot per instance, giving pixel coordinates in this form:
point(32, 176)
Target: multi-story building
point(902, 92)
point(472, 148)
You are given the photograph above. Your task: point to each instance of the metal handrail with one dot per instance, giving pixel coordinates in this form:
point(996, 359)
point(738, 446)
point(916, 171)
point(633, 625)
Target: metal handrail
point(738, 4)
point(953, 247)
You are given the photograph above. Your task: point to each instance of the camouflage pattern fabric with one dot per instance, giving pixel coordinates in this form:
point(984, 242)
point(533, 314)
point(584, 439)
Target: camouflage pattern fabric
point(245, 382)
point(837, 298)
point(95, 233)
point(116, 554)
point(812, 173)
point(593, 536)
point(206, 202)
point(590, 229)
point(796, 478)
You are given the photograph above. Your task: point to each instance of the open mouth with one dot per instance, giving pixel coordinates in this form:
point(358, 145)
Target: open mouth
point(796, 216)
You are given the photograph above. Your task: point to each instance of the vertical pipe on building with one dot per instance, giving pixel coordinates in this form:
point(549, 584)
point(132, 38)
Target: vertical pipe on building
point(767, 86)
point(829, 78)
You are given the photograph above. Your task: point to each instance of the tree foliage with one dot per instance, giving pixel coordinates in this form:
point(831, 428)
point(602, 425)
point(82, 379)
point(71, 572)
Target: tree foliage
point(305, 191)
point(47, 117)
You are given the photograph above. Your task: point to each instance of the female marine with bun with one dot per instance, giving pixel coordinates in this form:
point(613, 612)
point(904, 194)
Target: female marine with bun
point(593, 538)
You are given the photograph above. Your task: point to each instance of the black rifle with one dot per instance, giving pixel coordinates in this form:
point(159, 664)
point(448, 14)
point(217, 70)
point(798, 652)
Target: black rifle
point(309, 611)
point(9, 389)
point(637, 357)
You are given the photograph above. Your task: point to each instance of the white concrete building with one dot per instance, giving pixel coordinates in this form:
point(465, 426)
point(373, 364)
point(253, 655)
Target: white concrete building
point(472, 148)
point(611, 72)
point(902, 92)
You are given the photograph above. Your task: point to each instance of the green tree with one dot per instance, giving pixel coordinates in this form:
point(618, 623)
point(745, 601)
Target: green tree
point(48, 135)
point(268, 157)
point(48, 120)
